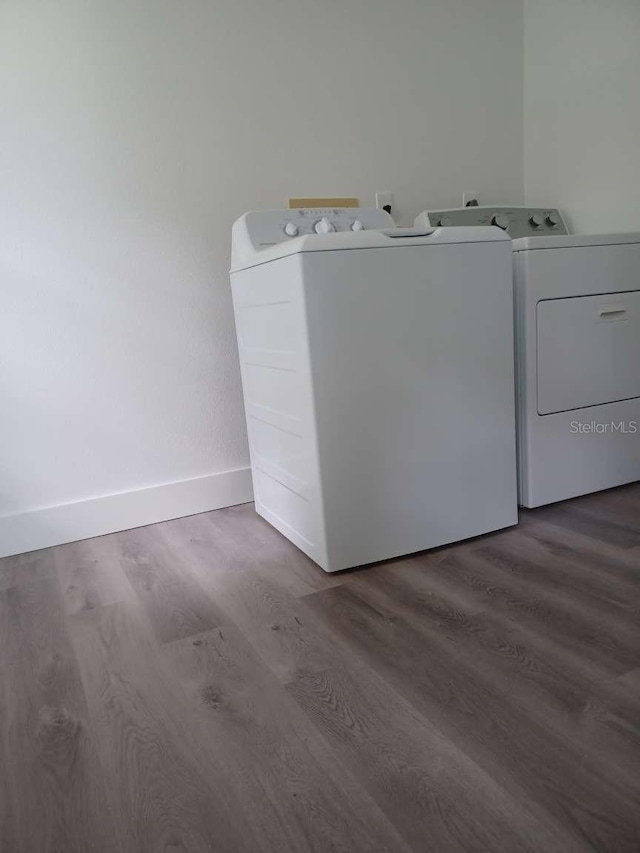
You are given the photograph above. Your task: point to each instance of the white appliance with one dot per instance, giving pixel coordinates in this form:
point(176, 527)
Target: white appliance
point(377, 370)
point(578, 352)
point(516, 221)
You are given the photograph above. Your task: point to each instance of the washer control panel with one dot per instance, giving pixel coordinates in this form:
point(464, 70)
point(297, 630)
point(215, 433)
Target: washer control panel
point(262, 229)
point(268, 227)
point(516, 221)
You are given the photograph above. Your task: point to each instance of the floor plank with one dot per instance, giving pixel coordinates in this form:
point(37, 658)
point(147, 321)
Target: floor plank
point(260, 603)
point(175, 608)
point(434, 792)
point(267, 745)
point(532, 606)
point(585, 519)
point(89, 576)
point(559, 689)
point(53, 791)
point(200, 685)
point(514, 748)
point(165, 789)
point(612, 562)
point(25, 568)
point(295, 648)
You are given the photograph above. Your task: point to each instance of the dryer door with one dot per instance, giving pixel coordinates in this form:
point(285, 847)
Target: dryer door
point(588, 351)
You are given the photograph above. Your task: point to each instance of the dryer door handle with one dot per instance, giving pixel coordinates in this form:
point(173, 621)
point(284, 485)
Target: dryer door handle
point(612, 312)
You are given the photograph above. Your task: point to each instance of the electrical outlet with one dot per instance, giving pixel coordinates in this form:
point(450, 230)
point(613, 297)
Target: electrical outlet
point(384, 200)
point(470, 199)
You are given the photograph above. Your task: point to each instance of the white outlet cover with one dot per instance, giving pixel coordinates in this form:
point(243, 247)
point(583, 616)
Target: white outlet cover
point(383, 199)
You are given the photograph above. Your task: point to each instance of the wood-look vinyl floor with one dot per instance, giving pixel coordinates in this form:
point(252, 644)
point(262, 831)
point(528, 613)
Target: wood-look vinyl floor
point(200, 685)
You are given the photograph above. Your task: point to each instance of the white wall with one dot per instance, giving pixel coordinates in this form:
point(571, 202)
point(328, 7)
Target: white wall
point(582, 110)
point(133, 134)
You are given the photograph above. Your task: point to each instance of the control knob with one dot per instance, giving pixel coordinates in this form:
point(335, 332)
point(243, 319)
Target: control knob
point(536, 220)
point(357, 225)
point(291, 229)
point(445, 221)
point(553, 220)
point(501, 220)
point(324, 226)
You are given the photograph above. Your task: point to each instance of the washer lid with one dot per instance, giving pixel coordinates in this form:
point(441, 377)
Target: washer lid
point(525, 244)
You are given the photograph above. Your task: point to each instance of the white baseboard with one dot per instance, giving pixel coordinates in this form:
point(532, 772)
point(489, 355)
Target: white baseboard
point(42, 528)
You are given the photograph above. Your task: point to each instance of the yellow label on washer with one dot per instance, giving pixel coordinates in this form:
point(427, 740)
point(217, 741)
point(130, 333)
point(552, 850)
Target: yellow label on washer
point(296, 203)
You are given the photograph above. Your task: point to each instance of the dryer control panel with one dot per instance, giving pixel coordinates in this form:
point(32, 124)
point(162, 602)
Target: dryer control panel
point(516, 221)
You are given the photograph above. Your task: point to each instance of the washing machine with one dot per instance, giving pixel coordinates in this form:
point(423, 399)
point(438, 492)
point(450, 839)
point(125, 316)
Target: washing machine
point(378, 380)
point(577, 301)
